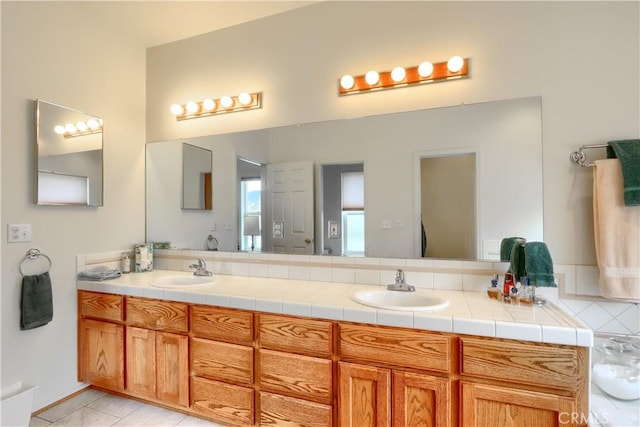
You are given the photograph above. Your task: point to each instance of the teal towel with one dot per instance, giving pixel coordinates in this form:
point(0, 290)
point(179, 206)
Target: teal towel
point(628, 152)
point(538, 265)
point(517, 266)
point(507, 245)
point(37, 301)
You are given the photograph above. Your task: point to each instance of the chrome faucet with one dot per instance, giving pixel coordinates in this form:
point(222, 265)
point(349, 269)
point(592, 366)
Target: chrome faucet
point(400, 284)
point(201, 268)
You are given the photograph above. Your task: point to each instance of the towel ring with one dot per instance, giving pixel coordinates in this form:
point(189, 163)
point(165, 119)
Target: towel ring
point(33, 254)
point(212, 243)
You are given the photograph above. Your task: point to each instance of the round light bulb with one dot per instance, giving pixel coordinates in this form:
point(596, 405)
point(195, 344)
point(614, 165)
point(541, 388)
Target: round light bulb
point(82, 126)
point(398, 74)
point(60, 130)
point(425, 69)
point(226, 101)
point(209, 104)
point(177, 109)
point(455, 64)
point(372, 77)
point(192, 107)
point(70, 128)
point(245, 98)
point(347, 82)
point(93, 124)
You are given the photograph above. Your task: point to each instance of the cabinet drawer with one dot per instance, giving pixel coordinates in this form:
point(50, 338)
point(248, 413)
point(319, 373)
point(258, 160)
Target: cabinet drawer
point(156, 314)
point(280, 410)
point(222, 361)
point(221, 401)
point(222, 324)
point(295, 375)
point(395, 346)
point(306, 336)
point(523, 363)
point(101, 306)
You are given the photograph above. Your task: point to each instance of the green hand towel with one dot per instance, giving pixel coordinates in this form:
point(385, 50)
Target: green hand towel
point(538, 265)
point(517, 266)
point(37, 301)
point(628, 152)
point(506, 246)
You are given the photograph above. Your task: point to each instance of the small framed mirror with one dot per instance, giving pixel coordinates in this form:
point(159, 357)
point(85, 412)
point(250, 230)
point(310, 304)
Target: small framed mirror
point(196, 177)
point(69, 166)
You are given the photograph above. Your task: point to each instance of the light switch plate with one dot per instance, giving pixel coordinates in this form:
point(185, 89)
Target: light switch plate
point(18, 233)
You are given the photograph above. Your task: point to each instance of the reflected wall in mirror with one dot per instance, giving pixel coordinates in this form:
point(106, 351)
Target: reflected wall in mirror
point(69, 163)
point(196, 177)
point(506, 137)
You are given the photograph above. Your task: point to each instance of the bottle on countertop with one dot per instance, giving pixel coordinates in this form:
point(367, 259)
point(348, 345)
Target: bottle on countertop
point(509, 282)
point(126, 263)
point(493, 291)
point(515, 298)
point(526, 292)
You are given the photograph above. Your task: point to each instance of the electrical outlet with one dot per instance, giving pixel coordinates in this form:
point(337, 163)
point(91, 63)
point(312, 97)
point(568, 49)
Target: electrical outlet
point(213, 227)
point(18, 233)
point(399, 224)
point(385, 224)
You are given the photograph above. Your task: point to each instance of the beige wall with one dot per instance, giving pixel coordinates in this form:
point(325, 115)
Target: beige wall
point(55, 52)
point(517, 49)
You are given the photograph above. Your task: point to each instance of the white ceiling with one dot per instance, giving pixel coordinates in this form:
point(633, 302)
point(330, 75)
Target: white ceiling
point(154, 23)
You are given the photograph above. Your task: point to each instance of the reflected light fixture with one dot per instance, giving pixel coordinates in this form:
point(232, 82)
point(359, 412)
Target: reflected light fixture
point(70, 130)
point(224, 104)
point(456, 67)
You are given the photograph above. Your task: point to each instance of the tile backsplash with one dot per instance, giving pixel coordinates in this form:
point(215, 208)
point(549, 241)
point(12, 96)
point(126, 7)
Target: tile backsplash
point(599, 314)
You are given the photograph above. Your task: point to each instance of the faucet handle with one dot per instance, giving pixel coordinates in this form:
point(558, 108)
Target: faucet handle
point(399, 276)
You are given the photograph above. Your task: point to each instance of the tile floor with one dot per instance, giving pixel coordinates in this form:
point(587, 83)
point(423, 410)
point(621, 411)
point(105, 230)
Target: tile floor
point(97, 408)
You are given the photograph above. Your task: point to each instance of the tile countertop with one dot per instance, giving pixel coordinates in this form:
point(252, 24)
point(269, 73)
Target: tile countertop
point(471, 313)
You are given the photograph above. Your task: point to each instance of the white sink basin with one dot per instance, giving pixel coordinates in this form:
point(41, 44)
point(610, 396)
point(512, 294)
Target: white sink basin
point(397, 300)
point(179, 281)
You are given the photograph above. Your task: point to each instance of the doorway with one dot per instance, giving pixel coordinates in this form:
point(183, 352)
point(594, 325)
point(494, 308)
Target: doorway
point(448, 206)
point(343, 213)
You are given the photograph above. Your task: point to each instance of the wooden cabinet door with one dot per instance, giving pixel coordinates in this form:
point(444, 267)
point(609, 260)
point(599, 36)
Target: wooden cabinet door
point(421, 400)
point(364, 395)
point(141, 361)
point(101, 354)
point(484, 405)
point(172, 368)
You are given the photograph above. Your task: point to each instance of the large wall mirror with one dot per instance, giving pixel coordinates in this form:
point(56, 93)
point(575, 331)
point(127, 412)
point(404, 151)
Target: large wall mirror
point(498, 146)
point(68, 156)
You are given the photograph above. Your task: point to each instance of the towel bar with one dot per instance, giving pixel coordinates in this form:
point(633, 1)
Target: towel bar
point(579, 157)
point(31, 255)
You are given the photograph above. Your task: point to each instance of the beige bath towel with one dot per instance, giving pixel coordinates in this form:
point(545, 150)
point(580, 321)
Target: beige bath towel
point(617, 234)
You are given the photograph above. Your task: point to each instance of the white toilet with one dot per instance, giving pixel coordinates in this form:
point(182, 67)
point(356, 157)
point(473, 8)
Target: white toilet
point(16, 405)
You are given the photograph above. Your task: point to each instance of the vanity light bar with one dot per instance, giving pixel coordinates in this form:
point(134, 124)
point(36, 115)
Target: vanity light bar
point(211, 107)
point(455, 68)
point(71, 130)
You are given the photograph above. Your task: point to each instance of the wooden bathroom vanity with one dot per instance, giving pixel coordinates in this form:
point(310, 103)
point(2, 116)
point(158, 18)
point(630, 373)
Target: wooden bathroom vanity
point(247, 367)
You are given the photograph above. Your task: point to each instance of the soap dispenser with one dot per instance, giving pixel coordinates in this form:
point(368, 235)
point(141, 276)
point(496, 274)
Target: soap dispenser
point(493, 291)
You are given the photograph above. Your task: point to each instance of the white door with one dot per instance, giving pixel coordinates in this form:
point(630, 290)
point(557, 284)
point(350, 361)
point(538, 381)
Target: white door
point(289, 217)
